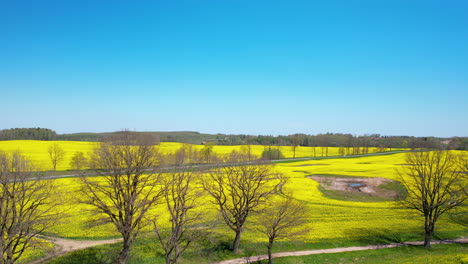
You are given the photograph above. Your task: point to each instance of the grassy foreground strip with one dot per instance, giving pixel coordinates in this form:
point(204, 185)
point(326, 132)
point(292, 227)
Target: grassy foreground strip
point(252, 259)
point(444, 251)
point(440, 254)
point(63, 246)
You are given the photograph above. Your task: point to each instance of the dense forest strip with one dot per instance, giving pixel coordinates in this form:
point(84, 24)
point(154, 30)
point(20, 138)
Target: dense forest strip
point(28, 133)
point(351, 142)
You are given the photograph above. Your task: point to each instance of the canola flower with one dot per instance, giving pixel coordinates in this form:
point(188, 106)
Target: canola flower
point(37, 150)
point(328, 218)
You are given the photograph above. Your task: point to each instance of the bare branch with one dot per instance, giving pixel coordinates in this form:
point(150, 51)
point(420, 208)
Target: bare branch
point(130, 188)
point(26, 206)
point(239, 191)
point(56, 154)
point(181, 197)
point(436, 183)
point(282, 219)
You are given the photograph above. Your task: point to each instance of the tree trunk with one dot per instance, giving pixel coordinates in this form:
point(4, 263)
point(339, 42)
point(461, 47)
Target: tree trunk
point(9, 256)
point(235, 245)
point(428, 231)
point(270, 246)
point(123, 256)
point(168, 259)
point(9, 260)
point(427, 239)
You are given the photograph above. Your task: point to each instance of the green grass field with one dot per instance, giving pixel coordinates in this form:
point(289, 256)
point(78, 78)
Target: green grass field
point(146, 252)
point(438, 254)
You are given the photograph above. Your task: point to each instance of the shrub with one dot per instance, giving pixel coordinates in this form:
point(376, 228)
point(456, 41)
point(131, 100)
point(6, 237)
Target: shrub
point(272, 154)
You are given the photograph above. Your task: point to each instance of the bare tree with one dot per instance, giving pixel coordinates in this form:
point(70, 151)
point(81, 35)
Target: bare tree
point(341, 151)
point(382, 147)
point(233, 156)
point(239, 156)
point(463, 164)
point(434, 184)
point(295, 144)
point(185, 154)
point(181, 197)
point(129, 186)
point(78, 161)
point(282, 220)
point(56, 154)
point(239, 191)
point(247, 149)
point(206, 153)
point(25, 206)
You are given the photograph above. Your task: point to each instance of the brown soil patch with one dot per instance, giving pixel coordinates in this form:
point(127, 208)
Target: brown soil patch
point(63, 246)
point(357, 185)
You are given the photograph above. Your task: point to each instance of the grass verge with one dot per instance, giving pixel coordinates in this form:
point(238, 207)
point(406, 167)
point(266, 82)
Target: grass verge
point(147, 250)
point(438, 254)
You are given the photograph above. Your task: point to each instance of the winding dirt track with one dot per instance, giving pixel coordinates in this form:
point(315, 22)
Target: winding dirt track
point(63, 246)
point(335, 250)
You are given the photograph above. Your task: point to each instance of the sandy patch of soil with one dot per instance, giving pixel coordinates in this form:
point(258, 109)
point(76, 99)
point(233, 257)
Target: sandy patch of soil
point(63, 246)
point(357, 185)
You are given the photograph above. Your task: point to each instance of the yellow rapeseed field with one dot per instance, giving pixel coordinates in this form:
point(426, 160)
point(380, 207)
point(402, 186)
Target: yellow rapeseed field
point(328, 218)
point(37, 150)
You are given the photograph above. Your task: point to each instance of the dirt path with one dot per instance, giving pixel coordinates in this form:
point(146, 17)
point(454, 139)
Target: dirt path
point(63, 246)
point(334, 250)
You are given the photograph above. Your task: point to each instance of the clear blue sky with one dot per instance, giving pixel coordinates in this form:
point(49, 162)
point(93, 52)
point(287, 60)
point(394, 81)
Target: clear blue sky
point(250, 67)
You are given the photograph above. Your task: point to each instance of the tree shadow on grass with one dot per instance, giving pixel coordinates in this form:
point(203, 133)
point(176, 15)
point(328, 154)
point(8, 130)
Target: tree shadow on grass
point(95, 255)
point(377, 236)
point(459, 215)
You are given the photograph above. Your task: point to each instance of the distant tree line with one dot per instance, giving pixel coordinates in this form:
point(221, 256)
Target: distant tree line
point(28, 133)
point(351, 144)
point(347, 141)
